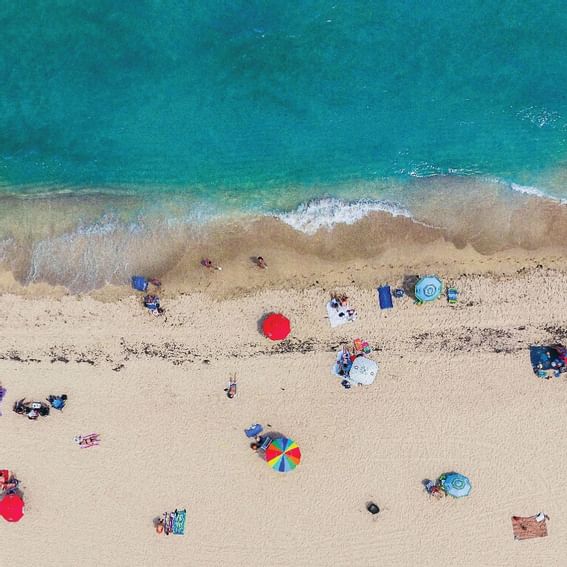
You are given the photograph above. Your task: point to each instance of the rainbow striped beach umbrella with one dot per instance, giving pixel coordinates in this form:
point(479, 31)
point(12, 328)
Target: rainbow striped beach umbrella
point(283, 454)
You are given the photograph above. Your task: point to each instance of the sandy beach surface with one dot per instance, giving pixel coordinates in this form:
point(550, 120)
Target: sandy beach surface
point(456, 392)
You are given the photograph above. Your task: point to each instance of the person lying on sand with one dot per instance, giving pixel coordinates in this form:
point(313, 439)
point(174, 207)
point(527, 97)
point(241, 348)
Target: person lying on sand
point(231, 390)
point(85, 441)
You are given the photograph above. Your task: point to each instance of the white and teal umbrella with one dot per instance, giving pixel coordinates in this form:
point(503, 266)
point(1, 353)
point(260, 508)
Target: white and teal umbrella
point(456, 485)
point(428, 288)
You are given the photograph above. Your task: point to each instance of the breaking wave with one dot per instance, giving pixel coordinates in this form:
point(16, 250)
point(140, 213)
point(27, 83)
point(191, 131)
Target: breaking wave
point(328, 212)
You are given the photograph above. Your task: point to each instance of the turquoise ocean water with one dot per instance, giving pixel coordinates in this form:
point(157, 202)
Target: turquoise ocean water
point(266, 105)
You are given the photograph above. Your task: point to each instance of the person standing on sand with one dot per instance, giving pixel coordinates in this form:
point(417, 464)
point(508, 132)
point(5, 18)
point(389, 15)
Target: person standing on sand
point(208, 263)
point(261, 263)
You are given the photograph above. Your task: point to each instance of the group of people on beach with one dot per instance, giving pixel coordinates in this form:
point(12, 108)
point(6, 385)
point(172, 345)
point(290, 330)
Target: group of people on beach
point(152, 301)
point(34, 410)
point(347, 357)
point(339, 302)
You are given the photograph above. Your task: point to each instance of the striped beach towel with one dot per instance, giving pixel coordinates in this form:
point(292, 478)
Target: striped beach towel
point(529, 527)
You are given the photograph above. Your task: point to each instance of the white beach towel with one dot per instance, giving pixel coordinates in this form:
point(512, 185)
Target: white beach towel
point(338, 316)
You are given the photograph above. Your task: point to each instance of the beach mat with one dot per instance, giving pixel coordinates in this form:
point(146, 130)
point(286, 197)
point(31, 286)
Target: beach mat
point(337, 317)
point(528, 528)
point(179, 522)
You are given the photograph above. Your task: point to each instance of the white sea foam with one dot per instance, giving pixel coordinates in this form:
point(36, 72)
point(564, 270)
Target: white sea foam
point(328, 212)
point(534, 191)
point(6, 246)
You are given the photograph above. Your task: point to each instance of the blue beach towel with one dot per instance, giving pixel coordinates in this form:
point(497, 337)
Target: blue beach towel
point(179, 522)
point(385, 297)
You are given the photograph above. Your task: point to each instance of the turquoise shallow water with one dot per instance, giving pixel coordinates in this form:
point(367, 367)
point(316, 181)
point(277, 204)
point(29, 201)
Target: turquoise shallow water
point(247, 99)
point(199, 107)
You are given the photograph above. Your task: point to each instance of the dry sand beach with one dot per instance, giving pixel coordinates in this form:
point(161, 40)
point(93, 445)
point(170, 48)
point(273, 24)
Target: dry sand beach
point(455, 391)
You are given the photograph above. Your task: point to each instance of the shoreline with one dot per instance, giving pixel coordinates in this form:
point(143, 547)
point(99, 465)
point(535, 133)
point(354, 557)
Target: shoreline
point(84, 246)
point(375, 250)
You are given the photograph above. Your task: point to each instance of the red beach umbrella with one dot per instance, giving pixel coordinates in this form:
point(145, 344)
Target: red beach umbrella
point(12, 508)
point(276, 327)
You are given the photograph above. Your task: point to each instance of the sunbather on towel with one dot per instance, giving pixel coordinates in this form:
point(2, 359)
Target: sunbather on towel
point(87, 441)
point(231, 389)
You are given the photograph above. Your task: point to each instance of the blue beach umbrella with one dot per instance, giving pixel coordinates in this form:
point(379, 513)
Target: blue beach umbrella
point(428, 288)
point(456, 485)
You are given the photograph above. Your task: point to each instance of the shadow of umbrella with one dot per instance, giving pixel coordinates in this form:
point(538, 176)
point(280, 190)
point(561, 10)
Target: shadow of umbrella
point(408, 285)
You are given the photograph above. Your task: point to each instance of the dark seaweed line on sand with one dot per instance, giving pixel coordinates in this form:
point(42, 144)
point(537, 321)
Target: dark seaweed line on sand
point(463, 339)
